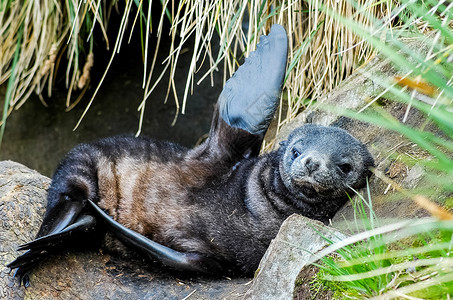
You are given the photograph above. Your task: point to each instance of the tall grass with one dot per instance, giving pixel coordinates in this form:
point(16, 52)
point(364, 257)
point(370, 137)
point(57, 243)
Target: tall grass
point(321, 51)
point(318, 59)
point(410, 259)
point(34, 37)
point(401, 260)
point(424, 81)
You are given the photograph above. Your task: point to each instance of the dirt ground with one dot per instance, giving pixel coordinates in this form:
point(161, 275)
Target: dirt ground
point(303, 289)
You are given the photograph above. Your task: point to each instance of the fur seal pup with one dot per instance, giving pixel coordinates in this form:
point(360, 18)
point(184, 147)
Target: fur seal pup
point(213, 209)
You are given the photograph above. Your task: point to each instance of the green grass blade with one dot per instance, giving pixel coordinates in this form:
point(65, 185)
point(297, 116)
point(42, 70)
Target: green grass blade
point(11, 80)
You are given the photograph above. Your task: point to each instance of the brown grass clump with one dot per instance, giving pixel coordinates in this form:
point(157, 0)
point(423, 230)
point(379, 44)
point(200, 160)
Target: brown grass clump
point(322, 51)
point(29, 36)
point(39, 33)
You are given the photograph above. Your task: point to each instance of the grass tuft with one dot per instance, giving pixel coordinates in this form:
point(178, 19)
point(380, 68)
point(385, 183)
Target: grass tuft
point(408, 259)
point(322, 50)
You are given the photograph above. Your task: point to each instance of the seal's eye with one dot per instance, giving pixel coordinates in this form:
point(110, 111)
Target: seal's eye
point(295, 153)
point(345, 168)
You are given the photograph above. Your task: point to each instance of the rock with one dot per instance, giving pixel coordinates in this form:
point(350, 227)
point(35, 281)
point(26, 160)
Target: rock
point(413, 177)
point(84, 273)
point(297, 241)
point(22, 203)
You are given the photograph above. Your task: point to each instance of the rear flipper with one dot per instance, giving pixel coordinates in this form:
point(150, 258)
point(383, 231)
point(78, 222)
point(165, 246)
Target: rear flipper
point(40, 248)
point(180, 261)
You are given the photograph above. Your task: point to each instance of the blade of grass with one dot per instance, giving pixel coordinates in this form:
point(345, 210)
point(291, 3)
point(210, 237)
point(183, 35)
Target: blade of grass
point(11, 80)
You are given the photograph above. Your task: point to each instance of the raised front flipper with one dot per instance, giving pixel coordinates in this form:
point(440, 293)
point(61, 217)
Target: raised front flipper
point(41, 247)
point(249, 100)
point(180, 261)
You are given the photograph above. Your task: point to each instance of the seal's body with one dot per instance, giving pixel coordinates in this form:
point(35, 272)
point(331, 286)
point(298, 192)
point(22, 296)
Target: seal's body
point(212, 209)
point(176, 198)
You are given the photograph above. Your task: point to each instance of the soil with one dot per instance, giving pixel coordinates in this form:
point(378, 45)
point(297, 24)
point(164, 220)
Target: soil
point(304, 290)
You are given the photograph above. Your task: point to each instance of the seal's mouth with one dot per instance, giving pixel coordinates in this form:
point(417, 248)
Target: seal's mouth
point(309, 183)
point(306, 189)
point(309, 192)
point(310, 189)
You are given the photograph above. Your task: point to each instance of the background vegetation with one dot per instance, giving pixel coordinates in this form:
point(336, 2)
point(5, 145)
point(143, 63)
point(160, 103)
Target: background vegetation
point(327, 41)
point(410, 259)
point(39, 38)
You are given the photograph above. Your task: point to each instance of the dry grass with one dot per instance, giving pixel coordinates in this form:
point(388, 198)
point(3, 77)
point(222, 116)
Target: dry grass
point(322, 51)
point(42, 32)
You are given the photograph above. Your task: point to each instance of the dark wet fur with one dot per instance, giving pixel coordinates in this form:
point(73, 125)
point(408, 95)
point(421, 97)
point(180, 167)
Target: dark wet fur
point(215, 207)
point(201, 205)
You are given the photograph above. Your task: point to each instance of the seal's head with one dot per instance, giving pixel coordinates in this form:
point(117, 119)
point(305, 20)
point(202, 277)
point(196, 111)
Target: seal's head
point(321, 162)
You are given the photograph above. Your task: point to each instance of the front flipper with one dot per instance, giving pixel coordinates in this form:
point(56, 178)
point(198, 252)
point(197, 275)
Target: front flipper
point(248, 101)
point(41, 247)
point(180, 261)
point(250, 98)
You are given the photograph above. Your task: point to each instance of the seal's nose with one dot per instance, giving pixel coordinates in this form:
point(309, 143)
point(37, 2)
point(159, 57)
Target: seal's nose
point(311, 164)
